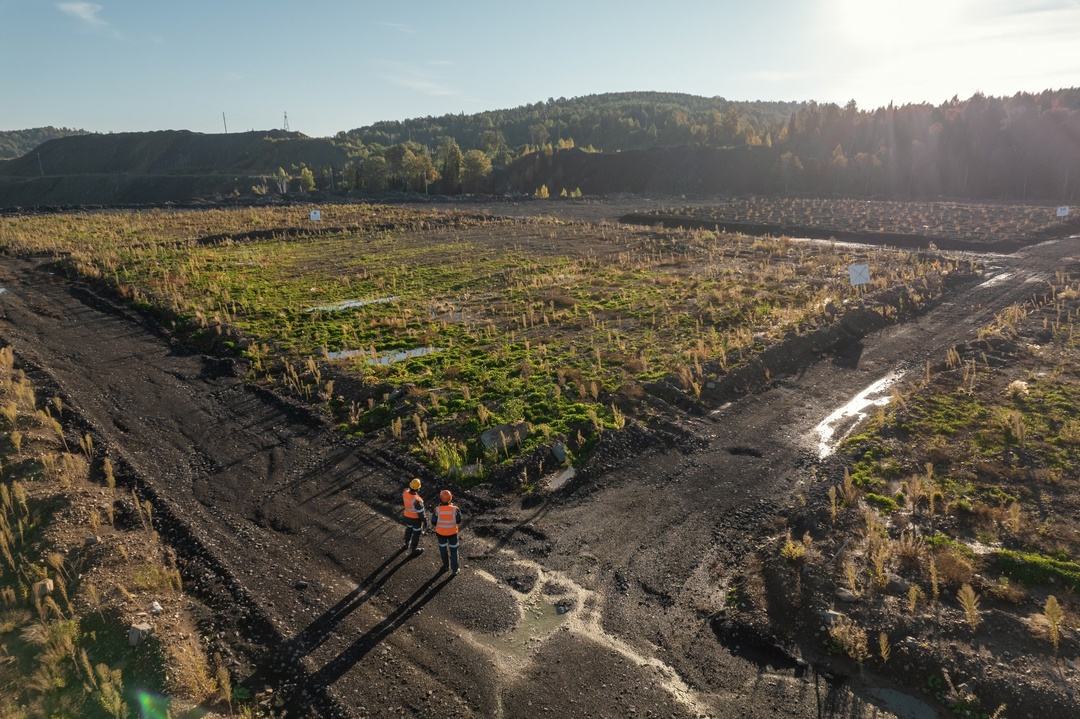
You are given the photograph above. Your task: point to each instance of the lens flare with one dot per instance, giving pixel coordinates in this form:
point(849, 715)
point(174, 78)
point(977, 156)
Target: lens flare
point(152, 706)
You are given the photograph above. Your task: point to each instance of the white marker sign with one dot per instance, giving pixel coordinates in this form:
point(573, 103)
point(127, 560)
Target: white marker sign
point(1063, 211)
point(860, 274)
point(316, 215)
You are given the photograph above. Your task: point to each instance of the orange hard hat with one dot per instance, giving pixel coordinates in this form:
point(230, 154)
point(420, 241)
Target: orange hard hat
point(445, 495)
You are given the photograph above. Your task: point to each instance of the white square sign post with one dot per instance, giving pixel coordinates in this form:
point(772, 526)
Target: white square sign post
point(1063, 212)
point(859, 274)
point(316, 215)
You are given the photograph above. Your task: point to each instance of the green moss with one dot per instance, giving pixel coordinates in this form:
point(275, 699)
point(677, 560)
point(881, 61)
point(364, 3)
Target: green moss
point(945, 414)
point(1033, 568)
point(937, 540)
point(884, 504)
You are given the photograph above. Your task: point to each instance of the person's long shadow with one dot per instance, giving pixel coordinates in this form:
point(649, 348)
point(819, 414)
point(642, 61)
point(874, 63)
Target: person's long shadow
point(340, 664)
point(314, 634)
point(545, 507)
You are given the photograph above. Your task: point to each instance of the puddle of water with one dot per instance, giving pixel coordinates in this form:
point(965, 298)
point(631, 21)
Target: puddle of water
point(554, 481)
point(855, 411)
point(904, 706)
point(846, 243)
point(349, 304)
point(539, 618)
point(996, 279)
point(389, 358)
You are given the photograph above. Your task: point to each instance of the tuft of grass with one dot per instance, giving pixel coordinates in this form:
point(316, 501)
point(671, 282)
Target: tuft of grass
point(969, 600)
point(792, 550)
point(848, 638)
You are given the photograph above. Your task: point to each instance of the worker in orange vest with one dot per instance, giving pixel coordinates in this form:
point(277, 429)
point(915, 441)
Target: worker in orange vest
point(447, 518)
point(415, 520)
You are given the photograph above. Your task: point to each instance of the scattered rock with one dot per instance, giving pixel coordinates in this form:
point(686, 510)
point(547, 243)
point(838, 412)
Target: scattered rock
point(505, 436)
point(897, 585)
point(522, 583)
point(156, 608)
point(846, 595)
point(559, 452)
point(831, 617)
point(138, 632)
point(554, 588)
point(302, 584)
point(91, 541)
point(43, 588)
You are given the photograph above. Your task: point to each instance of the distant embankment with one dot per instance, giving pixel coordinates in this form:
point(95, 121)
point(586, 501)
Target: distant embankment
point(98, 190)
point(154, 167)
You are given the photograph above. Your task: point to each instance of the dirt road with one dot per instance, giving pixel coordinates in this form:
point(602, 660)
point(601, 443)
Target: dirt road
point(593, 602)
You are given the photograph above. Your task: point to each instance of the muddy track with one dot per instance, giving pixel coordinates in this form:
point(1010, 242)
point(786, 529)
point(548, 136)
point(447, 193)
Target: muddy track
point(592, 602)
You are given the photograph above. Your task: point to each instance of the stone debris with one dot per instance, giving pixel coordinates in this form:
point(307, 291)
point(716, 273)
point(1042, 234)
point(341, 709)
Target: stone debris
point(138, 632)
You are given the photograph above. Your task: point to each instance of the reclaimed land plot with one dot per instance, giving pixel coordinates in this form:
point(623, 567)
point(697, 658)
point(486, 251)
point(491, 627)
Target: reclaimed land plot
point(570, 328)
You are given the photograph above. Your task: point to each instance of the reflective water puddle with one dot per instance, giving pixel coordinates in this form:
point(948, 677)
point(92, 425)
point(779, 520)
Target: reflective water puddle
point(904, 706)
point(554, 481)
point(385, 359)
point(349, 304)
point(854, 412)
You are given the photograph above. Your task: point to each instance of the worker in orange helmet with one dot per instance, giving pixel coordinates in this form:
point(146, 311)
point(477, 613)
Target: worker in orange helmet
point(447, 518)
point(415, 520)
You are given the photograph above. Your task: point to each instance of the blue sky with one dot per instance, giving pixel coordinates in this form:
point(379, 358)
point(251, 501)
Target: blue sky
point(122, 65)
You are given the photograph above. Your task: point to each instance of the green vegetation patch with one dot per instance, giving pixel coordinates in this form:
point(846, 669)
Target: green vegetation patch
point(477, 321)
point(1033, 568)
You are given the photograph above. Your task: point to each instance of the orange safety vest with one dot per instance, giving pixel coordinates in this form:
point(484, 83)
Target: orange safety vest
point(446, 520)
point(410, 499)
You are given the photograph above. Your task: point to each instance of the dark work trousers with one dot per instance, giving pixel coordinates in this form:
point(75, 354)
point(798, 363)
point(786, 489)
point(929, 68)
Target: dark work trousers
point(448, 550)
point(413, 528)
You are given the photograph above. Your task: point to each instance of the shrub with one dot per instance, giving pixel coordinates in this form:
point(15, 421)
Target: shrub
point(953, 568)
point(847, 637)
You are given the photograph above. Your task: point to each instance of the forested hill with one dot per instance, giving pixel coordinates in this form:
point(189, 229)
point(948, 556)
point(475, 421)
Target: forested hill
point(1023, 147)
point(16, 143)
point(608, 122)
point(1018, 148)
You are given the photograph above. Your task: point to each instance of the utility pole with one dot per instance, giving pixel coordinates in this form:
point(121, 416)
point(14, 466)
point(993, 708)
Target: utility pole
point(224, 123)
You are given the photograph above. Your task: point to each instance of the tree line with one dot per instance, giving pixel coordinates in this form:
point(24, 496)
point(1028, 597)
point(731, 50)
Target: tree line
point(1022, 147)
point(458, 153)
point(406, 166)
point(1026, 146)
